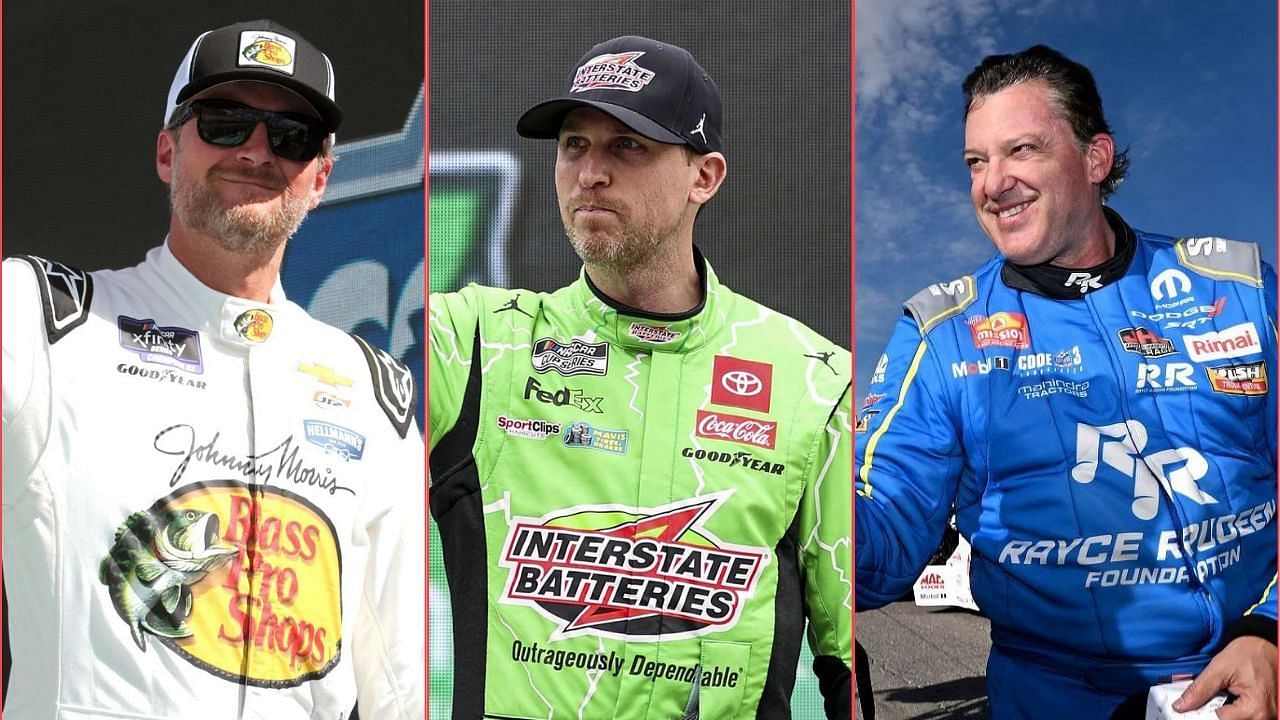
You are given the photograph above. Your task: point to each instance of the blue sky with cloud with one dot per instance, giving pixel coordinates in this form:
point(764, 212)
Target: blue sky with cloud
point(1188, 86)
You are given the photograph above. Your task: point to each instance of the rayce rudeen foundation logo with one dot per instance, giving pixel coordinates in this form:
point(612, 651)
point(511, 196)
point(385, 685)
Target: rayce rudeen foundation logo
point(244, 584)
point(631, 573)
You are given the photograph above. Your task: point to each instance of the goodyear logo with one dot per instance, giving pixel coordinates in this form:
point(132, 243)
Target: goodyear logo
point(244, 585)
point(266, 49)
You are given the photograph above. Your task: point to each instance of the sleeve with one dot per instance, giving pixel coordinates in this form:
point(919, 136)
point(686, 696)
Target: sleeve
point(454, 337)
point(826, 555)
point(389, 637)
point(25, 382)
point(908, 460)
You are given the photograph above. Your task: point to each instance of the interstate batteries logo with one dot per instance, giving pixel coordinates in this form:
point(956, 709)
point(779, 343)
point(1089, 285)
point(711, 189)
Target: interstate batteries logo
point(244, 584)
point(641, 574)
point(614, 71)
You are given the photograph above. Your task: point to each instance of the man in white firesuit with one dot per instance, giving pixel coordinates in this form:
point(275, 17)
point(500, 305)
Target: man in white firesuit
point(212, 502)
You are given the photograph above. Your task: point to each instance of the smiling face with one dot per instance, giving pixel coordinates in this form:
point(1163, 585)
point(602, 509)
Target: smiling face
point(1034, 188)
point(245, 198)
point(622, 195)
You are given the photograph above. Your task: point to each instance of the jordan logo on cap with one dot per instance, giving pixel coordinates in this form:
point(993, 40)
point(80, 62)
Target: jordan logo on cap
point(698, 129)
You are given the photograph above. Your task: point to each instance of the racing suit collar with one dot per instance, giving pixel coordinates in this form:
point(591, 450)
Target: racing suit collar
point(645, 331)
point(1074, 283)
point(232, 320)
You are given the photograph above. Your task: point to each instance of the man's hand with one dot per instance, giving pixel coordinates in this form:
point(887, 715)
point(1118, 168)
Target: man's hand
point(1246, 668)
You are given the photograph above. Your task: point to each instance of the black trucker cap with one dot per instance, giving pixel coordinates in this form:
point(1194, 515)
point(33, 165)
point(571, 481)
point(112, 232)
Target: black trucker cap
point(261, 50)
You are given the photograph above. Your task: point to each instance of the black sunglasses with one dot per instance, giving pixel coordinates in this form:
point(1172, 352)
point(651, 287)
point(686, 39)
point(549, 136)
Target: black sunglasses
point(229, 124)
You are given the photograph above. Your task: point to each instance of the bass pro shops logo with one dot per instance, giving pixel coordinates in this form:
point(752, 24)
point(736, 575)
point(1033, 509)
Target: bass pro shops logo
point(242, 582)
point(640, 574)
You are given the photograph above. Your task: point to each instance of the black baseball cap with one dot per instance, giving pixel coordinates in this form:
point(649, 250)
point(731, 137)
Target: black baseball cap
point(655, 88)
point(261, 50)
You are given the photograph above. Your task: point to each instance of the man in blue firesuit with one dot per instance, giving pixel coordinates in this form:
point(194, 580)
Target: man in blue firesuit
point(1095, 403)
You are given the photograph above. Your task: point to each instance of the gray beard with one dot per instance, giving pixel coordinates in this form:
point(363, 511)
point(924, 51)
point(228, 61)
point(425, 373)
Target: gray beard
point(631, 248)
point(236, 229)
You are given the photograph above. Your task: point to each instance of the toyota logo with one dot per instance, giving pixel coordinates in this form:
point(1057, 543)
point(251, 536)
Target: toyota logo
point(741, 382)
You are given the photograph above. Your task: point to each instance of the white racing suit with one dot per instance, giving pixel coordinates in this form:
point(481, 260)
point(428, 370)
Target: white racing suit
point(212, 507)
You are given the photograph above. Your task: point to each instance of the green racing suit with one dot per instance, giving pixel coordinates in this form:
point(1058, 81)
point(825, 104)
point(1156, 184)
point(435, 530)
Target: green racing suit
point(638, 512)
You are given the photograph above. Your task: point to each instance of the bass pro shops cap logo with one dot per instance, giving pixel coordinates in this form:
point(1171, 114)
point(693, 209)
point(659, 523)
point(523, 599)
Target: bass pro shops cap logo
point(615, 71)
point(266, 49)
point(244, 584)
point(642, 574)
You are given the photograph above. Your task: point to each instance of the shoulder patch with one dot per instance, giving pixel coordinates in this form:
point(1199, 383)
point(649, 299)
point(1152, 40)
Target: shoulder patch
point(65, 294)
point(940, 301)
point(392, 385)
point(1221, 259)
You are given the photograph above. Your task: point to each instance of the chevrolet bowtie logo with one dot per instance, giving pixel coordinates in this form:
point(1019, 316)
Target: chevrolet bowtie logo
point(325, 375)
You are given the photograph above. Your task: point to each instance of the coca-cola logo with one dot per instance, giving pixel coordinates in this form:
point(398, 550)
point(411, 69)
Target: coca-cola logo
point(723, 426)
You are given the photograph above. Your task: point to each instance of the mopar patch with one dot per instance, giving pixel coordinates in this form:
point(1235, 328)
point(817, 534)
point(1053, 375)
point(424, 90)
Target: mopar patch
point(173, 346)
point(575, 357)
point(244, 583)
point(640, 574)
point(336, 439)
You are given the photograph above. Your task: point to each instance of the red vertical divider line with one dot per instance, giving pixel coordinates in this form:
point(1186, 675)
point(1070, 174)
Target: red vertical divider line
point(2, 615)
point(426, 364)
point(853, 322)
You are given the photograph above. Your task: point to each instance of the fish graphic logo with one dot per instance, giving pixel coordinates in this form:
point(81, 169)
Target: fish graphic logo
point(267, 52)
point(155, 558)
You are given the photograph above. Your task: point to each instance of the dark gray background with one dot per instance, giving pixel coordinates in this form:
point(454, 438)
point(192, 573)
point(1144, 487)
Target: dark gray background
point(85, 86)
point(778, 231)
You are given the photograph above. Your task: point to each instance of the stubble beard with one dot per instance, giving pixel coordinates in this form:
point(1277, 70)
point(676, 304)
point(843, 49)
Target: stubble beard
point(629, 248)
point(239, 229)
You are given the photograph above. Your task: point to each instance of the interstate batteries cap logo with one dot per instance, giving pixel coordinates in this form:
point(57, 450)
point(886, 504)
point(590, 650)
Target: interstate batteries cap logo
point(642, 574)
point(243, 585)
point(614, 71)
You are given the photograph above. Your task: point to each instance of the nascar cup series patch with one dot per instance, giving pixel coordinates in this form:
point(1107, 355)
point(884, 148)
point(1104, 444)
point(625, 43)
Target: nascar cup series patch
point(243, 584)
point(640, 574)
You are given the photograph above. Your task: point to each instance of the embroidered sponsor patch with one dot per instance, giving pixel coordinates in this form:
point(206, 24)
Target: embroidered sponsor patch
point(657, 334)
point(254, 325)
point(1142, 341)
point(243, 584)
point(584, 435)
point(1003, 329)
point(531, 428)
point(262, 48)
point(1246, 379)
point(614, 71)
point(723, 426)
point(736, 458)
point(172, 346)
point(741, 383)
point(979, 367)
point(347, 444)
point(1235, 341)
point(575, 357)
point(637, 573)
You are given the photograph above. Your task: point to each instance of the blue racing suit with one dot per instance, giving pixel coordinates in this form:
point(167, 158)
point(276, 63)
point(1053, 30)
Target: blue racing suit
point(1107, 438)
